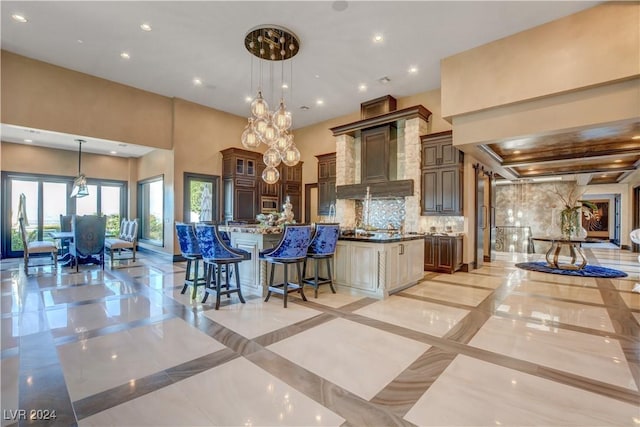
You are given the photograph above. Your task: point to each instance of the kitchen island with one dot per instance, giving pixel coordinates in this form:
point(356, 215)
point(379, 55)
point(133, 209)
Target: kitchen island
point(379, 264)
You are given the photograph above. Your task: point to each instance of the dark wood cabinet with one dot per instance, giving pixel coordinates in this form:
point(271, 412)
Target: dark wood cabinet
point(379, 152)
point(244, 189)
point(442, 176)
point(326, 182)
point(443, 253)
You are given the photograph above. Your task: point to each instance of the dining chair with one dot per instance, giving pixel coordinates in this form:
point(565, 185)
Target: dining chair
point(36, 247)
point(88, 239)
point(322, 247)
point(190, 251)
point(219, 257)
point(291, 249)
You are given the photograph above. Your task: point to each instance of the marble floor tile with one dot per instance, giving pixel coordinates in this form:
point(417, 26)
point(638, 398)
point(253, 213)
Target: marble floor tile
point(97, 364)
point(237, 393)
point(86, 317)
point(626, 284)
point(166, 281)
point(84, 293)
point(446, 292)
point(576, 293)
point(325, 297)
point(632, 299)
point(512, 398)
point(257, 318)
point(637, 316)
point(9, 368)
point(421, 316)
point(586, 316)
point(590, 356)
point(356, 357)
point(471, 279)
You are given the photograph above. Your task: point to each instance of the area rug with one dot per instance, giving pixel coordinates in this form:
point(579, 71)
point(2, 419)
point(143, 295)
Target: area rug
point(587, 271)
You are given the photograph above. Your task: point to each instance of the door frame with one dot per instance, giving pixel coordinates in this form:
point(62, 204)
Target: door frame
point(307, 200)
point(489, 215)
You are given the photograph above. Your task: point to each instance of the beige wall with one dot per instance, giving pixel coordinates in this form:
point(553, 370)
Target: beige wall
point(593, 47)
point(43, 96)
point(156, 163)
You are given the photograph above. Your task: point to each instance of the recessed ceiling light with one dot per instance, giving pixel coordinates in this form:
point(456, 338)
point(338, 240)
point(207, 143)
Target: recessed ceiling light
point(603, 176)
point(285, 86)
point(378, 38)
point(145, 27)
point(635, 137)
point(248, 99)
point(80, 41)
point(125, 55)
point(516, 152)
point(319, 102)
point(362, 87)
point(531, 169)
point(413, 70)
point(19, 18)
point(28, 140)
point(122, 144)
point(618, 161)
point(113, 152)
point(197, 81)
point(317, 76)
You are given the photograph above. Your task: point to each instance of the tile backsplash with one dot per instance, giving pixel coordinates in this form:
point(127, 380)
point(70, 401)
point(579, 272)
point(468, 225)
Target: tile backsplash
point(441, 222)
point(383, 212)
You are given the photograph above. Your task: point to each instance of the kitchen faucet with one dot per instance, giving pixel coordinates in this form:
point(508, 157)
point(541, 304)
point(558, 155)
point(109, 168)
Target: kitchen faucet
point(332, 212)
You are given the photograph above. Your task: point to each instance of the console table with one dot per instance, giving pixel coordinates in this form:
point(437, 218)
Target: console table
point(578, 258)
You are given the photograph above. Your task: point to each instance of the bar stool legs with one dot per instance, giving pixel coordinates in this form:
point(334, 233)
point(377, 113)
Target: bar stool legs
point(316, 281)
point(216, 285)
point(285, 287)
point(196, 280)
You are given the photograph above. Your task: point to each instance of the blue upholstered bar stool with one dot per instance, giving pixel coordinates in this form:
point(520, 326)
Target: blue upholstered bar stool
point(322, 246)
point(218, 256)
point(292, 249)
point(191, 252)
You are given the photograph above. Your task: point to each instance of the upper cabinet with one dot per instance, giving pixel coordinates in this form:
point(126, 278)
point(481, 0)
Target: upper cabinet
point(379, 152)
point(442, 175)
point(326, 182)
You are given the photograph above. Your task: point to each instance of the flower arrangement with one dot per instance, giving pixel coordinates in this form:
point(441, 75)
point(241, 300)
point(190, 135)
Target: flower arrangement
point(570, 216)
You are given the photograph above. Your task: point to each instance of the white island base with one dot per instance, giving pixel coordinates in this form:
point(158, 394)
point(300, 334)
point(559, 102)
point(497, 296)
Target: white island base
point(377, 268)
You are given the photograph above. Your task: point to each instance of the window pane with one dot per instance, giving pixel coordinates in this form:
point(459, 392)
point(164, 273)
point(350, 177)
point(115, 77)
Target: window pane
point(88, 205)
point(30, 190)
point(54, 204)
point(201, 198)
point(151, 203)
point(111, 208)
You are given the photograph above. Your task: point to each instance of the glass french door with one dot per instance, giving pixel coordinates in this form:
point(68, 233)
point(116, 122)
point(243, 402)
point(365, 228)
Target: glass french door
point(47, 197)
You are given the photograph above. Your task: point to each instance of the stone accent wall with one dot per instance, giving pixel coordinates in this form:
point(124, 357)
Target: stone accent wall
point(411, 158)
point(345, 174)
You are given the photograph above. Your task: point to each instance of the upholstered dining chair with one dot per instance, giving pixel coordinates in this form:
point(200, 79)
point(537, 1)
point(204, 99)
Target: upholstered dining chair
point(36, 247)
point(88, 239)
point(219, 257)
point(322, 247)
point(291, 249)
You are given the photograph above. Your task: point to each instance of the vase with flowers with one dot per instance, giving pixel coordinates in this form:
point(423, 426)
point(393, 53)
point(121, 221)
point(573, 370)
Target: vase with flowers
point(572, 211)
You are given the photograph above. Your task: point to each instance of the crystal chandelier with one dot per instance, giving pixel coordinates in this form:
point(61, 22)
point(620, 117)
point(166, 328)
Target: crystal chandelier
point(270, 43)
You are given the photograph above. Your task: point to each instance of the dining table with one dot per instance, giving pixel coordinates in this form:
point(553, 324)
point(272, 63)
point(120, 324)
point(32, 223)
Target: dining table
point(64, 259)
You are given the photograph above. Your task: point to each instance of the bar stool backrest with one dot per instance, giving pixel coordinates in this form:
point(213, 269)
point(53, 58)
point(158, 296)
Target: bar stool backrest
point(325, 239)
point(212, 245)
point(293, 244)
point(187, 239)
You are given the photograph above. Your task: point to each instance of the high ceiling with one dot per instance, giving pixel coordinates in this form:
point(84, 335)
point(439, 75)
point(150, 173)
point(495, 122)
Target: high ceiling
point(205, 40)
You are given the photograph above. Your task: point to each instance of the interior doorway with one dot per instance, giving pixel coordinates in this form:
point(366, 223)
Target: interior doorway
point(485, 219)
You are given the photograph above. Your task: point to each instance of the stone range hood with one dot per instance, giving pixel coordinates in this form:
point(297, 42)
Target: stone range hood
point(409, 123)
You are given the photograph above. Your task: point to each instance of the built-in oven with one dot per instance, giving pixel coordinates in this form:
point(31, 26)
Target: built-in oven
point(268, 204)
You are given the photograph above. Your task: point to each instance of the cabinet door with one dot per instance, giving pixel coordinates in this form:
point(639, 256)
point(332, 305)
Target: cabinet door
point(245, 203)
point(448, 155)
point(430, 192)
point(445, 254)
point(375, 155)
point(249, 271)
point(332, 169)
point(393, 266)
point(342, 270)
point(429, 253)
point(363, 267)
point(404, 263)
point(429, 155)
point(415, 259)
point(450, 189)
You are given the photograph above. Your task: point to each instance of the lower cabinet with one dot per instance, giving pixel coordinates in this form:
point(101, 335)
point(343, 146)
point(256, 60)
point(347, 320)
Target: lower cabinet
point(379, 268)
point(443, 253)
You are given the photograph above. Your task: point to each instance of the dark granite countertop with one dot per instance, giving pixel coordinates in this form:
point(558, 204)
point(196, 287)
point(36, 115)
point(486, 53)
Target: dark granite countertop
point(383, 238)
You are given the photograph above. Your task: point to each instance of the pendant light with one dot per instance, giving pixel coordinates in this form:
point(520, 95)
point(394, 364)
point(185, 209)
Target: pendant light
point(80, 188)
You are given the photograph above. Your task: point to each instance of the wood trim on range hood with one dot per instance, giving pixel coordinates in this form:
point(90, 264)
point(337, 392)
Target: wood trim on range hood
point(405, 113)
point(388, 189)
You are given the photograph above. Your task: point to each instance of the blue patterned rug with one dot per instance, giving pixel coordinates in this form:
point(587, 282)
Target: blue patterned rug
point(587, 271)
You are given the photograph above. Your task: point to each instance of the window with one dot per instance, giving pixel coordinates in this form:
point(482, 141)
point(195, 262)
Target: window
point(151, 208)
point(200, 197)
point(47, 198)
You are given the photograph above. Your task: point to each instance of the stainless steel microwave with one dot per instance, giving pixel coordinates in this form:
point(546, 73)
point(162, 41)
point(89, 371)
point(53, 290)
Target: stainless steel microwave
point(268, 204)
